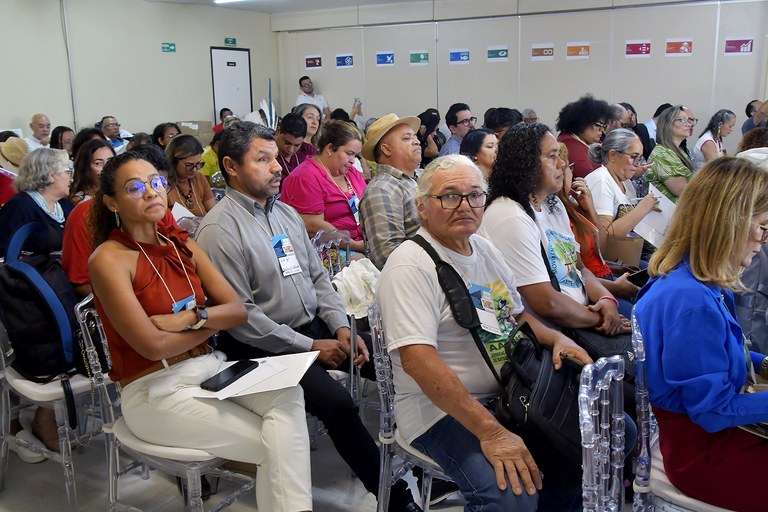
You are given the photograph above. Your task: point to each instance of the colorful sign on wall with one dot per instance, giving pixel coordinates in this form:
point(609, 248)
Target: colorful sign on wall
point(739, 46)
point(638, 49)
point(345, 60)
point(385, 58)
point(313, 62)
point(419, 58)
point(543, 51)
point(679, 47)
point(577, 51)
point(498, 54)
point(458, 56)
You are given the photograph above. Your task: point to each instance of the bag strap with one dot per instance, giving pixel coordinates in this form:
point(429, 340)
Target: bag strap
point(40, 284)
point(458, 297)
point(552, 277)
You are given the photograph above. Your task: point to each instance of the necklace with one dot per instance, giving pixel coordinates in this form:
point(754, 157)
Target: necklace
point(350, 190)
point(189, 198)
point(287, 165)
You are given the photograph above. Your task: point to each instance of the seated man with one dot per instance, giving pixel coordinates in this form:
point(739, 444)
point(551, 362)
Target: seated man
point(261, 247)
point(441, 380)
point(289, 137)
point(387, 212)
point(111, 128)
point(460, 121)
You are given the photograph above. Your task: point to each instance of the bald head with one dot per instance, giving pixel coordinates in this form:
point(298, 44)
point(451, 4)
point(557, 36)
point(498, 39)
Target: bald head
point(620, 118)
point(41, 127)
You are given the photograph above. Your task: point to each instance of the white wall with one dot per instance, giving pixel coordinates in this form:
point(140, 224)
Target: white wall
point(118, 65)
point(706, 81)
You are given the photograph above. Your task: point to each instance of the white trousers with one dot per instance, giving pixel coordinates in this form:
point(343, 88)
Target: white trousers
point(268, 429)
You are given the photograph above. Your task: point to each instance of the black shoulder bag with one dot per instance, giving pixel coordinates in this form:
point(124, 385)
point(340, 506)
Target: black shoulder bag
point(536, 402)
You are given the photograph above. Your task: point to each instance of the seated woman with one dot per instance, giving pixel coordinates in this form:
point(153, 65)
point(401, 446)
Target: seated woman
point(62, 137)
point(696, 359)
point(151, 291)
point(91, 158)
point(616, 203)
point(164, 133)
point(188, 186)
point(43, 186)
point(526, 220)
point(672, 168)
point(581, 123)
point(312, 115)
point(480, 146)
point(710, 143)
point(755, 138)
point(325, 189)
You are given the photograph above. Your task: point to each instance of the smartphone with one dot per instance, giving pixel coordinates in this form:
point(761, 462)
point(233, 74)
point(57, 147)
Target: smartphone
point(639, 278)
point(357, 102)
point(226, 377)
point(570, 361)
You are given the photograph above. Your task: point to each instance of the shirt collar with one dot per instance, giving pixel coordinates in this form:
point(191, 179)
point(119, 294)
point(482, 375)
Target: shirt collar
point(248, 202)
point(395, 172)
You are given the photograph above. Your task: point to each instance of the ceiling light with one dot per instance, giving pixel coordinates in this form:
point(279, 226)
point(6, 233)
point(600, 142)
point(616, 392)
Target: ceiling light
point(227, 1)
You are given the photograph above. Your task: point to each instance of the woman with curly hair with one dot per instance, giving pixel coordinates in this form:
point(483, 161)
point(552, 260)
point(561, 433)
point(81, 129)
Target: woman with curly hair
point(710, 143)
point(580, 124)
point(755, 138)
point(527, 221)
point(672, 167)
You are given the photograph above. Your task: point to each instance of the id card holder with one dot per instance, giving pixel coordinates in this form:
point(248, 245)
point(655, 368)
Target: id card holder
point(285, 254)
point(486, 313)
point(354, 205)
point(184, 304)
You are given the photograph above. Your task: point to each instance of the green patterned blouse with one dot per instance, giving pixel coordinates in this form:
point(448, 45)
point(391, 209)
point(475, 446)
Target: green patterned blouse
point(667, 166)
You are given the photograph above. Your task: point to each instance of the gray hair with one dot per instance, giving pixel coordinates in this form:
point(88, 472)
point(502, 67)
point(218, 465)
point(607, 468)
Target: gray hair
point(444, 163)
point(37, 168)
point(230, 120)
point(617, 140)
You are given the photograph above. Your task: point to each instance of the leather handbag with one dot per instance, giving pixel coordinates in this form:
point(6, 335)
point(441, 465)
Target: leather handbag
point(537, 402)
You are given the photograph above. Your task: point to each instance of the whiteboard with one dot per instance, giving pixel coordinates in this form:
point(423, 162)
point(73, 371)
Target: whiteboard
point(232, 89)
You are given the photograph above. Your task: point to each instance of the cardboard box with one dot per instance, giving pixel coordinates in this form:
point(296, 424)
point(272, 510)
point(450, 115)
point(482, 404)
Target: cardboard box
point(626, 250)
point(202, 130)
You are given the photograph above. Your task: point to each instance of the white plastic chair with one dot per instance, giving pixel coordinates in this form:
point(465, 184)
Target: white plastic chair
point(51, 396)
point(187, 463)
point(392, 443)
point(601, 420)
point(653, 490)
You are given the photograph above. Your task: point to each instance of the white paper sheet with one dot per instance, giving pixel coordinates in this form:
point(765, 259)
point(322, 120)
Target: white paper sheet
point(179, 212)
point(654, 225)
point(293, 367)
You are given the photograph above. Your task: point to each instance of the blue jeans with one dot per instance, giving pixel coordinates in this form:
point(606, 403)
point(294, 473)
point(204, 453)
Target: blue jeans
point(458, 453)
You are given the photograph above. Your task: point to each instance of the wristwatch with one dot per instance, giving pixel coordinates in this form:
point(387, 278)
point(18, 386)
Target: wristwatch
point(202, 317)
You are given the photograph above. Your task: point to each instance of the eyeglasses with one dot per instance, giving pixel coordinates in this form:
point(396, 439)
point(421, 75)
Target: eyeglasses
point(307, 84)
point(467, 122)
point(193, 167)
point(637, 159)
point(602, 126)
point(67, 170)
point(137, 188)
point(112, 125)
point(687, 121)
point(763, 231)
point(453, 201)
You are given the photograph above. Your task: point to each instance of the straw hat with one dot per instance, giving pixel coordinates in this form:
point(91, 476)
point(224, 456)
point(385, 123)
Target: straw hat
point(12, 152)
point(380, 128)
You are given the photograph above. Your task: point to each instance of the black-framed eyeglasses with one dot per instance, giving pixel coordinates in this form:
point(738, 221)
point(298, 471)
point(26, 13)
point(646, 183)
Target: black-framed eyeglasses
point(137, 188)
point(193, 167)
point(763, 232)
point(468, 121)
point(600, 125)
point(453, 201)
point(637, 159)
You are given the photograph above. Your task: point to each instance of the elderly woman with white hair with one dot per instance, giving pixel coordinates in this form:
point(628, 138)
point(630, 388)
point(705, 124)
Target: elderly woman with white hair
point(441, 380)
point(43, 186)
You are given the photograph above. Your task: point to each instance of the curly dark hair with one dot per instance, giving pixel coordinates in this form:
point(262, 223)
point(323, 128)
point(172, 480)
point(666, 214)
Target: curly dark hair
point(517, 170)
point(577, 116)
point(754, 138)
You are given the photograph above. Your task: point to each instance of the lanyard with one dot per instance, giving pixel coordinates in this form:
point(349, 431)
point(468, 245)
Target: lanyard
point(173, 301)
point(268, 232)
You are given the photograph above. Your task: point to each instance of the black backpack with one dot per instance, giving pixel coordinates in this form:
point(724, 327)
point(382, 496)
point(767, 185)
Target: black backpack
point(37, 308)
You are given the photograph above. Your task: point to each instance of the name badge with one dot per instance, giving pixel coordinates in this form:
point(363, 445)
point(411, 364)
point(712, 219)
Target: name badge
point(486, 312)
point(283, 248)
point(354, 204)
point(184, 304)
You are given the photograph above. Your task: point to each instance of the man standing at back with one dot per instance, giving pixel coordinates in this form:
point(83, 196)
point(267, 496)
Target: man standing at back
point(460, 121)
point(387, 212)
point(308, 95)
point(41, 131)
point(261, 246)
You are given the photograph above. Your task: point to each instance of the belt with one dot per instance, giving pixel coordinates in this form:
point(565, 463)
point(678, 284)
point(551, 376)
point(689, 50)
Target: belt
point(200, 350)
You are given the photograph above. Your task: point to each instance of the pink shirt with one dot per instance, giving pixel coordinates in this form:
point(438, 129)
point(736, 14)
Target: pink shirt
point(311, 191)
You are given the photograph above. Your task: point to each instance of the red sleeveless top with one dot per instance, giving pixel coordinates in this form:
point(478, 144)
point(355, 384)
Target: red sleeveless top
point(151, 293)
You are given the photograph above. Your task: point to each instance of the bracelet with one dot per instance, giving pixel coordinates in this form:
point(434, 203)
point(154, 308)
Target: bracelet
point(609, 297)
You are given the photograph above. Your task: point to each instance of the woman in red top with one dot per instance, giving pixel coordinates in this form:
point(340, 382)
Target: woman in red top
point(580, 124)
point(151, 290)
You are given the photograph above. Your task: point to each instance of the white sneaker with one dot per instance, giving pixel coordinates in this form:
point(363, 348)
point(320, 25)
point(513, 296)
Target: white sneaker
point(26, 454)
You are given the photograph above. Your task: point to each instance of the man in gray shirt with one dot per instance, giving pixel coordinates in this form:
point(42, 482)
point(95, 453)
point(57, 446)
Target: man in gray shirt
point(262, 248)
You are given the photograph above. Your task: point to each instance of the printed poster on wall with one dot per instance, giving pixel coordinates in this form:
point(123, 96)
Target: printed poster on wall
point(345, 60)
point(638, 49)
point(419, 58)
point(679, 47)
point(498, 54)
point(739, 46)
point(313, 62)
point(458, 56)
point(577, 51)
point(543, 51)
point(385, 58)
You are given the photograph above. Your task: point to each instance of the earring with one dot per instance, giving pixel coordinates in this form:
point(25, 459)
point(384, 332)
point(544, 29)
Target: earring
point(117, 219)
